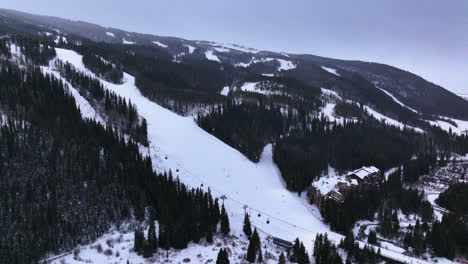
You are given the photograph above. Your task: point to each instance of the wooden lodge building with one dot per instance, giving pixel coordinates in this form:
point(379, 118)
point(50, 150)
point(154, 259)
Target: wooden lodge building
point(336, 187)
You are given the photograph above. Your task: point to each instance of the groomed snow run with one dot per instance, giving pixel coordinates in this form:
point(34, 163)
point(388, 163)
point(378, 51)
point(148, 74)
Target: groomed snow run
point(177, 143)
point(396, 100)
point(389, 121)
point(331, 70)
point(160, 44)
point(211, 56)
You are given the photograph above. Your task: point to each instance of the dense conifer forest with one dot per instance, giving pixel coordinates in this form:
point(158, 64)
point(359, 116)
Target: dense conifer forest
point(65, 180)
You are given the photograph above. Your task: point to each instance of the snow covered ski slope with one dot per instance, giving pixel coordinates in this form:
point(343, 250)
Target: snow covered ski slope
point(201, 160)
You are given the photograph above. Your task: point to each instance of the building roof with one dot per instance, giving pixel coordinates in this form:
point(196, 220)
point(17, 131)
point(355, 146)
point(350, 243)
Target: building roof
point(327, 184)
point(363, 172)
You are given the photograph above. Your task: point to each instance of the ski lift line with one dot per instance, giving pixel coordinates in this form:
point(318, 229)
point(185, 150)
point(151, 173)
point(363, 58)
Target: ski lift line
point(260, 211)
point(243, 204)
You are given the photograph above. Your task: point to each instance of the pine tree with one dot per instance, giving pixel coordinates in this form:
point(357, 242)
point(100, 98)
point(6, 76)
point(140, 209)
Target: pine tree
point(372, 238)
point(260, 255)
point(223, 257)
point(225, 229)
point(152, 239)
point(282, 259)
point(247, 226)
point(254, 245)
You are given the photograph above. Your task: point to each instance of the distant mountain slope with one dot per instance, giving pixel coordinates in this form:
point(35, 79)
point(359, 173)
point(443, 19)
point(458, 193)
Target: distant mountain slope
point(355, 80)
point(407, 87)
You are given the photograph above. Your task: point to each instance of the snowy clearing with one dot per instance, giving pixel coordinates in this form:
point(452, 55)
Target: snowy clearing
point(211, 56)
point(222, 50)
point(110, 34)
point(331, 93)
point(252, 87)
point(160, 44)
point(178, 144)
point(127, 42)
point(285, 65)
point(331, 70)
point(190, 48)
point(225, 91)
point(238, 47)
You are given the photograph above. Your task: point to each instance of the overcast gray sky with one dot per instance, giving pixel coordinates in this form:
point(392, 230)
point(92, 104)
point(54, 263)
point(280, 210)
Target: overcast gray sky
point(427, 37)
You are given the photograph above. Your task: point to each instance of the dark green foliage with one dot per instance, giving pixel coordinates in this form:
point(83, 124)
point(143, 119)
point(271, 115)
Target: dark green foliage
point(114, 108)
point(246, 127)
point(139, 241)
point(223, 257)
point(348, 110)
point(455, 198)
point(325, 252)
point(449, 237)
point(38, 51)
point(303, 156)
point(247, 228)
point(282, 259)
point(414, 168)
point(64, 180)
point(152, 239)
point(415, 240)
point(225, 229)
point(254, 246)
point(357, 205)
point(372, 238)
point(102, 68)
point(299, 253)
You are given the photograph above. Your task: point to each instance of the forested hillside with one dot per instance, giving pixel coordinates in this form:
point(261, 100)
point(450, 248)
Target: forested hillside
point(66, 180)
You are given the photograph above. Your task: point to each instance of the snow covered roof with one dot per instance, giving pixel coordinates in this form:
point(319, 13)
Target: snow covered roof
point(364, 172)
point(327, 184)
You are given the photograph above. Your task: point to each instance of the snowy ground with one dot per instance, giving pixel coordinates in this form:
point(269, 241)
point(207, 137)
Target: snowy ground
point(177, 143)
point(117, 247)
point(211, 56)
point(160, 44)
point(331, 70)
point(225, 91)
point(461, 128)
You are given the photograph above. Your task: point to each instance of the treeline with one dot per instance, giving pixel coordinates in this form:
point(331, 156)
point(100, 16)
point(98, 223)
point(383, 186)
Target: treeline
point(386, 200)
point(247, 127)
point(39, 51)
point(455, 198)
point(179, 86)
point(117, 111)
point(64, 180)
point(102, 68)
point(303, 156)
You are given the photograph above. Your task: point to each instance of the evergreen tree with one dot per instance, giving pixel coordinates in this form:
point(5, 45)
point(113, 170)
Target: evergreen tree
point(254, 246)
point(260, 255)
point(372, 238)
point(223, 257)
point(225, 229)
point(282, 259)
point(152, 239)
point(247, 226)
